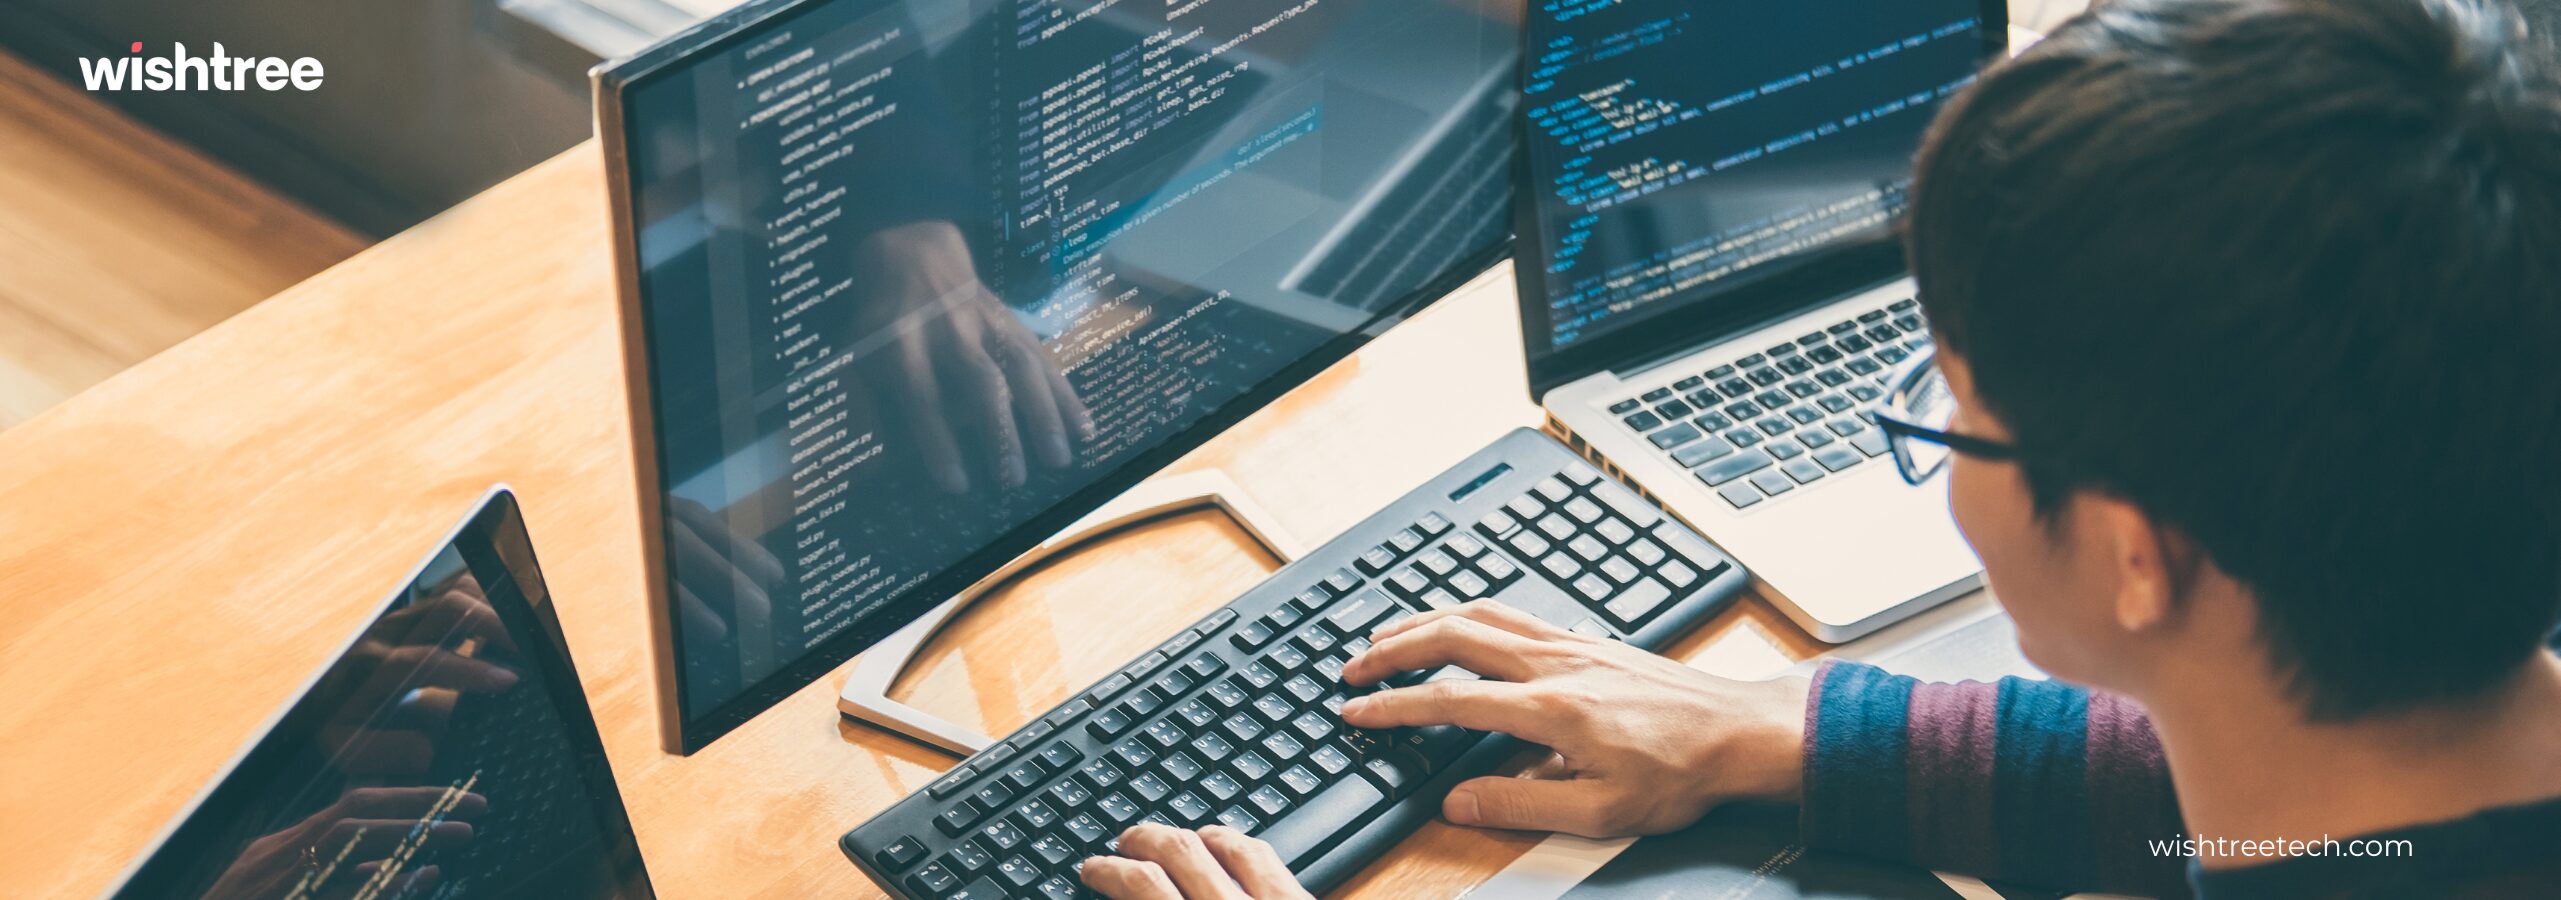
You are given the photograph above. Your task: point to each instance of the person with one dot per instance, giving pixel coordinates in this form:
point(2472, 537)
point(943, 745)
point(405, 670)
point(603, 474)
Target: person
point(2243, 308)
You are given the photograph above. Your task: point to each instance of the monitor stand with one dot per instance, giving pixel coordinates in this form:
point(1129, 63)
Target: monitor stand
point(866, 693)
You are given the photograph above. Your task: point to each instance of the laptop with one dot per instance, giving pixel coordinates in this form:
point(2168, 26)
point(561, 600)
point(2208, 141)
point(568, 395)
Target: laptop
point(1712, 294)
point(445, 752)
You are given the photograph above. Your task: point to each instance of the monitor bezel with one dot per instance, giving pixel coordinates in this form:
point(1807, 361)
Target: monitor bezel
point(613, 82)
point(497, 521)
point(1684, 323)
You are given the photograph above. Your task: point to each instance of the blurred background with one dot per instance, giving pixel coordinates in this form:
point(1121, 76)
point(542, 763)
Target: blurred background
point(129, 221)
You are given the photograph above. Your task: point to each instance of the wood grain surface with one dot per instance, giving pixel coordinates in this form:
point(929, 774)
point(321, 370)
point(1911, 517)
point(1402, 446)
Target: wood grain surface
point(181, 546)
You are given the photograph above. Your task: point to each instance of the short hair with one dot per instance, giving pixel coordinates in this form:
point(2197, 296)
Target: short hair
point(2286, 275)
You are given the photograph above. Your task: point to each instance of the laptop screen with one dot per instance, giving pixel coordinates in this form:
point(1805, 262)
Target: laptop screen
point(446, 753)
point(1677, 153)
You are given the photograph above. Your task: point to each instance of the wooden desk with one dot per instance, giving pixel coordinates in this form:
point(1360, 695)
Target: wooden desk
point(181, 546)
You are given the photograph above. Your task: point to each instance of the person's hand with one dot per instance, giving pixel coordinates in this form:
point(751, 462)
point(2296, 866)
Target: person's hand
point(960, 364)
point(348, 841)
point(1159, 862)
point(398, 685)
point(1643, 745)
point(725, 581)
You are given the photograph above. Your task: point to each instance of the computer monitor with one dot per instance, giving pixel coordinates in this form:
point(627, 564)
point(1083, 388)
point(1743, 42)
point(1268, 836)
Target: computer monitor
point(910, 285)
point(446, 752)
point(1696, 169)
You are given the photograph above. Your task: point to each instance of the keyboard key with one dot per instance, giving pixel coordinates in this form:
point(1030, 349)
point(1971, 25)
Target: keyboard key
point(1253, 766)
point(900, 854)
point(1624, 407)
point(1556, 527)
point(1229, 694)
point(1743, 437)
point(934, 881)
point(1804, 415)
point(1526, 506)
point(1814, 438)
point(1282, 746)
point(1530, 544)
point(1257, 675)
point(1150, 787)
point(1803, 470)
point(1619, 569)
point(1750, 361)
point(1640, 600)
point(1784, 450)
point(1331, 759)
point(1583, 510)
point(1702, 452)
point(969, 857)
point(1646, 552)
point(1837, 458)
point(1614, 530)
point(1433, 524)
point(1221, 786)
point(1673, 410)
point(1086, 829)
point(1712, 421)
point(1643, 421)
point(1470, 585)
point(1300, 781)
point(1717, 473)
point(1739, 494)
point(1358, 615)
point(1552, 489)
point(1268, 800)
point(1053, 849)
point(1498, 568)
point(1560, 565)
point(1273, 707)
point(1679, 575)
point(1773, 483)
point(1775, 426)
point(1766, 376)
point(1070, 793)
point(1439, 562)
point(1872, 316)
point(1870, 442)
point(1100, 774)
point(1118, 808)
point(1002, 835)
point(1656, 395)
point(1795, 365)
point(1592, 586)
point(1213, 746)
point(1312, 726)
point(1497, 523)
point(1188, 808)
point(1237, 818)
point(1743, 412)
point(1167, 733)
point(994, 796)
point(1587, 547)
point(1438, 598)
point(1376, 559)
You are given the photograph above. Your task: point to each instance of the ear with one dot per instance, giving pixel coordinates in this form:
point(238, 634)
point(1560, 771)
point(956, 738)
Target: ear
point(2138, 552)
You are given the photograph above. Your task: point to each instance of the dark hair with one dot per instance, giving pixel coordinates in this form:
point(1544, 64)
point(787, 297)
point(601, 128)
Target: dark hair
point(2285, 274)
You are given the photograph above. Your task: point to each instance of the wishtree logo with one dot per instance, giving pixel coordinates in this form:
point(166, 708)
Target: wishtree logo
point(211, 73)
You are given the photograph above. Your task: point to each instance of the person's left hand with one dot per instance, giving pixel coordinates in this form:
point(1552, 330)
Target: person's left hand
point(1158, 862)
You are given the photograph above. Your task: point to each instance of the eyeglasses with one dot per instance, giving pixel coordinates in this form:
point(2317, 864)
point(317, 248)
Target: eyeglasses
point(1915, 415)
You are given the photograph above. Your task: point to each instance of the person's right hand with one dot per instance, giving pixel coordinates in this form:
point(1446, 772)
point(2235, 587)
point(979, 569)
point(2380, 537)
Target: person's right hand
point(358, 833)
point(1644, 745)
point(961, 366)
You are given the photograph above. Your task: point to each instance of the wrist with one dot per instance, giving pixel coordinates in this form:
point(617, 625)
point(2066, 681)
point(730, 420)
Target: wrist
point(1773, 751)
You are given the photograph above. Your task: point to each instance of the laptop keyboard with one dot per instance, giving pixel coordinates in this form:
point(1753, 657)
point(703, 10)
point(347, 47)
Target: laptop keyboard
point(1760, 426)
point(1236, 719)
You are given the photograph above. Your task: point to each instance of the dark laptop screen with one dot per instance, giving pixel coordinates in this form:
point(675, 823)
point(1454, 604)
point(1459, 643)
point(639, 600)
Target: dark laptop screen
point(1679, 152)
point(446, 754)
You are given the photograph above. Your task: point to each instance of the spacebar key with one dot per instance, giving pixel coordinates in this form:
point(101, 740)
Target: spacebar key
point(1332, 812)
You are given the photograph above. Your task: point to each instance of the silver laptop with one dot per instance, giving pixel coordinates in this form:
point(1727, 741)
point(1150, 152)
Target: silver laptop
point(1711, 291)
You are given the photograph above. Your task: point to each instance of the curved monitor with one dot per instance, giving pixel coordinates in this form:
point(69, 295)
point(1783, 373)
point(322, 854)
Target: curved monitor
point(912, 284)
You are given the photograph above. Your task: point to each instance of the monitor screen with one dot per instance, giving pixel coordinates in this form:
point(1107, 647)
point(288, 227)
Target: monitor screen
point(446, 753)
point(918, 283)
point(1677, 153)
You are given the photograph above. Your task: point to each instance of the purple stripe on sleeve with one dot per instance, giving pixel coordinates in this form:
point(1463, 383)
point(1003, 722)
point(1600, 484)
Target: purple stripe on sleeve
point(2131, 800)
point(1952, 730)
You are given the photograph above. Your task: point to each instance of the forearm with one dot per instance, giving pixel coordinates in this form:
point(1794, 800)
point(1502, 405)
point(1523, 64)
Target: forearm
point(2024, 780)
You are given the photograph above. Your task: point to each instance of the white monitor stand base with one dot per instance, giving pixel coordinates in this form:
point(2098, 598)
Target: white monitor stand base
point(866, 694)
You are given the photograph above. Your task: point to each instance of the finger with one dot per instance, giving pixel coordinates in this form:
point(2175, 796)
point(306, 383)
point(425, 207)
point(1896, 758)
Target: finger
point(369, 751)
point(1553, 768)
point(981, 384)
point(1512, 709)
point(1071, 406)
point(713, 575)
point(701, 624)
point(921, 403)
point(748, 555)
point(1184, 858)
point(1254, 864)
point(410, 802)
point(1127, 879)
point(1448, 641)
point(416, 666)
point(1579, 807)
point(1500, 615)
point(455, 614)
point(1027, 364)
point(377, 838)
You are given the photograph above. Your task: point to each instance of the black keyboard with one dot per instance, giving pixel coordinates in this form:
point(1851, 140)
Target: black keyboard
point(1767, 423)
point(1236, 719)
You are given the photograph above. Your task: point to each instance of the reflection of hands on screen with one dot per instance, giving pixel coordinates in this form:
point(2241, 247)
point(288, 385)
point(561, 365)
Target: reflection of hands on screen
point(960, 364)
point(403, 677)
point(724, 580)
point(340, 849)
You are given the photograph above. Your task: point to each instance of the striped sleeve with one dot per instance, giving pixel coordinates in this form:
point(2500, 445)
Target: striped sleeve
point(2027, 781)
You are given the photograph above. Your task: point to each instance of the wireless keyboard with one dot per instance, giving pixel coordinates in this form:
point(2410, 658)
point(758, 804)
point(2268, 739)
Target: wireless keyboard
point(1236, 719)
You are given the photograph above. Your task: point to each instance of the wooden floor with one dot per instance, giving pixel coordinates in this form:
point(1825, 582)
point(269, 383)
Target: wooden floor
point(116, 242)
